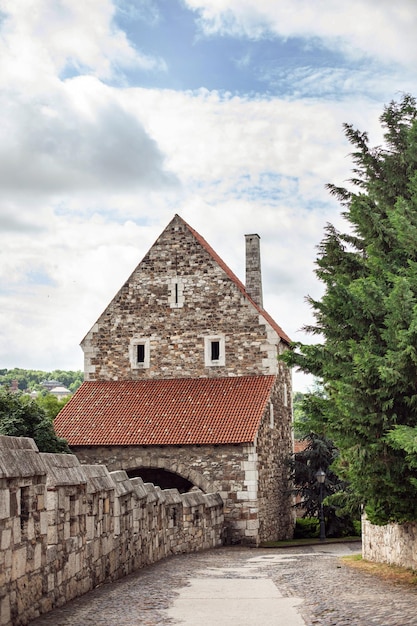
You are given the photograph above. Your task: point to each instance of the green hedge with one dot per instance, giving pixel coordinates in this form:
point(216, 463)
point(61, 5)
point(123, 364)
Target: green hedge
point(306, 528)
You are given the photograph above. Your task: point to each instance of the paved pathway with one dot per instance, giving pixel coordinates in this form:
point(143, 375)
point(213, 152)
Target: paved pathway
point(307, 586)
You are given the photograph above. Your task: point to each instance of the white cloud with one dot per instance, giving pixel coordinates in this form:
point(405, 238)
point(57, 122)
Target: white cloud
point(60, 136)
point(238, 146)
point(382, 29)
point(42, 39)
point(55, 289)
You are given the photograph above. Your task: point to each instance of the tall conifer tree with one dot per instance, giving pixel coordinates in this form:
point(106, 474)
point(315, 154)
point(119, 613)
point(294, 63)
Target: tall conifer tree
point(367, 319)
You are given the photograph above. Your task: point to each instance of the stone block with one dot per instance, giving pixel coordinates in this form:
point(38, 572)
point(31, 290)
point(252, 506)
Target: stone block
point(5, 613)
point(6, 537)
point(252, 524)
point(251, 475)
point(239, 524)
point(52, 535)
point(30, 529)
point(40, 502)
point(51, 500)
point(44, 523)
point(19, 563)
point(249, 466)
point(247, 495)
point(37, 557)
point(90, 527)
point(4, 503)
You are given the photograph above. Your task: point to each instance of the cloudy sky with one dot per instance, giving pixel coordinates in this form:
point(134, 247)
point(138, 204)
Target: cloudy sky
point(117, 114)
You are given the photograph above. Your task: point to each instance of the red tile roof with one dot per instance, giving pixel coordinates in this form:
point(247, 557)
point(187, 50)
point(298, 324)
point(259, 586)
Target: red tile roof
point(165, 412)
point(237, 282)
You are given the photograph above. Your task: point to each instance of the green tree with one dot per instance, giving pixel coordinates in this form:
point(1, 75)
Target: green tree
point(32, 379)
point(340, 507)
point(320, 454)
point(20, 416)
point(366, 320)
point(50, 404)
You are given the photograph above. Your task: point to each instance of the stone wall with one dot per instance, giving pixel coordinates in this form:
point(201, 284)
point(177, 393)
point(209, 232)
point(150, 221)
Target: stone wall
point(393, 543)
point(66, 527)
point(276, 514)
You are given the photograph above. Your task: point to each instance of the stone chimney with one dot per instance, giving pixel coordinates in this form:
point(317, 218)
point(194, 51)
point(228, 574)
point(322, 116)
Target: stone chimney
point(253, 268)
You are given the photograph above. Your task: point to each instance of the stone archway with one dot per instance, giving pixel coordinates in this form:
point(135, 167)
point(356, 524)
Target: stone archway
point(162, 478)
point(168, 473)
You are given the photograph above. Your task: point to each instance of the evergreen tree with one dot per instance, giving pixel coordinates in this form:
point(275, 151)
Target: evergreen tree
point(320, 453)
point(367, 318)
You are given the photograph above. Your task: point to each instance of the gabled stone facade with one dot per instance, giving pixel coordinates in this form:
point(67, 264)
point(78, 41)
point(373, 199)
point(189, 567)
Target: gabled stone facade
point(177, 302)
point(184, 314)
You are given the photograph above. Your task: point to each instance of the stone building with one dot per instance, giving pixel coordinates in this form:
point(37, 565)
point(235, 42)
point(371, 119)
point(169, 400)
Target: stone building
point(183, 386)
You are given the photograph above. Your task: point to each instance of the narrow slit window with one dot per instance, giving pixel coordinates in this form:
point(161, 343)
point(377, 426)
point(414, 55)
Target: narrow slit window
point(215, 350)
point(24, 509)
point(176, 292)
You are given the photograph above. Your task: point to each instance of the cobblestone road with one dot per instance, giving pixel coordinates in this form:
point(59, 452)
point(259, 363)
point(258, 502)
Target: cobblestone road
point(332, 593)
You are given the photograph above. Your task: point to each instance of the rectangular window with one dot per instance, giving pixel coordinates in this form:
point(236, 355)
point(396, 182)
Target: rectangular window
point(214, 351)
point(141, 352)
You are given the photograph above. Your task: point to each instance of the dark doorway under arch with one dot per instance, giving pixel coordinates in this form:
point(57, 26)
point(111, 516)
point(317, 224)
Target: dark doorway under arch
point(161, 478)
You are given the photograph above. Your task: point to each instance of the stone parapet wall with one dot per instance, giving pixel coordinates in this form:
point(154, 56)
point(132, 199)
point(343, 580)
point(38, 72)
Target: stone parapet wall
point(66, 527)
point(220, 469)
point(395, 544)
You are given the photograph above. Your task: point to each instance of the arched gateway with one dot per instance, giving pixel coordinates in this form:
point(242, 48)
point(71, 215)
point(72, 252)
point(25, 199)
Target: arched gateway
point(183, 384)
point(162, 478)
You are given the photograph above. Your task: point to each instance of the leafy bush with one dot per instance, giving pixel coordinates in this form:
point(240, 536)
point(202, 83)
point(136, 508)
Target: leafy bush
point(20, 416)
point(306, 528)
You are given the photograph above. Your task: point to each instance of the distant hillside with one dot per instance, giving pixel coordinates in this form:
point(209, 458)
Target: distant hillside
point(31, 379)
